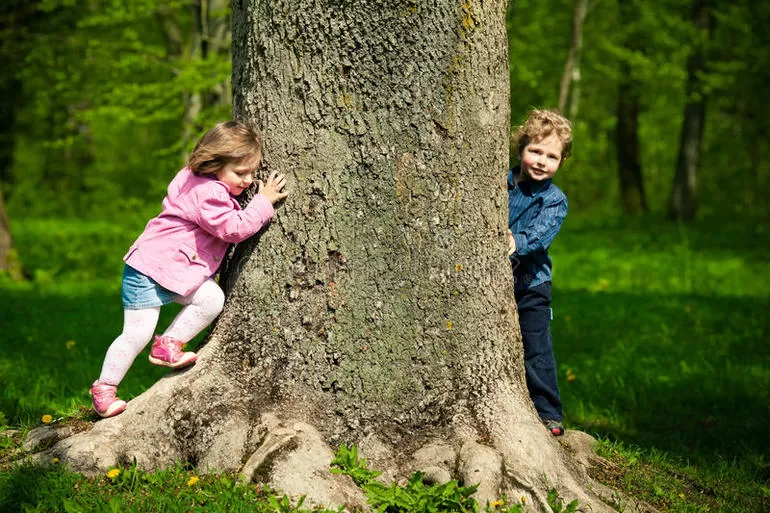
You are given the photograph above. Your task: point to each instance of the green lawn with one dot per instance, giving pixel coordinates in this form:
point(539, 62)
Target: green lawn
point(660, 334)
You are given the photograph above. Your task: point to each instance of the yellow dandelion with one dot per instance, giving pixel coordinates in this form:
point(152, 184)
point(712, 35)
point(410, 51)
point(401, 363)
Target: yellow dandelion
point(496, 504)
point(570, 376)
point(193, 481)
point(458, 267)
point(523, 500)
point(450, 324)
point(55, 460)
point(112, 474)
point(47, 419)
point(70, 344)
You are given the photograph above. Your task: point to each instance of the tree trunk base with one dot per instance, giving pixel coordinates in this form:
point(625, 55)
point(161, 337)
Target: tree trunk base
point(519, 458)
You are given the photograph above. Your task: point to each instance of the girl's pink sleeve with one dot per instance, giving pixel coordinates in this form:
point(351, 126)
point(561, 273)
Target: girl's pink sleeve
point(219, 217)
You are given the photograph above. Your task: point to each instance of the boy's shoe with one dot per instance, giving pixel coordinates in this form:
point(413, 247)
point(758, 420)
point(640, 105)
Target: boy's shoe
point(554, 426)
point(167, 352)
point(104, 401)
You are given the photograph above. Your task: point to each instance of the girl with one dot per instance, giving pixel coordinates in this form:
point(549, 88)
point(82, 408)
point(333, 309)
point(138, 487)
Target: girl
point(180, 251)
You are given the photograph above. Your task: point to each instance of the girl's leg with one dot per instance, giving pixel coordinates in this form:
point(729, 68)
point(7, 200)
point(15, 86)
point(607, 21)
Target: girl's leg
point(138, 327)
point(202, 307)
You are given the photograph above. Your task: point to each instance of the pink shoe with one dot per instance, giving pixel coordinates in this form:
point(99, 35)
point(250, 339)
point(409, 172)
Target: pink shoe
point(104, 400)
point(167, 352)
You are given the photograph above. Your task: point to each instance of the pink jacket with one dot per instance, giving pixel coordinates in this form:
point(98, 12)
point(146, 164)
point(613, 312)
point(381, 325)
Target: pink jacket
point(185, 244)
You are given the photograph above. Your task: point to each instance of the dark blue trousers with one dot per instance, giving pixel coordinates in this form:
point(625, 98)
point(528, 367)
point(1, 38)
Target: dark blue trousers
point(534, 307)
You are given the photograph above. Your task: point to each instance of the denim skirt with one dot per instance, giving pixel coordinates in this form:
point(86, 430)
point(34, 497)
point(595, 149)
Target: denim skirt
point(140, 291)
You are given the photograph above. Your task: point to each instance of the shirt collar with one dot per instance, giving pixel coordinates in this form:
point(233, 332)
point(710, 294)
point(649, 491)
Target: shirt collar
point(528, 187)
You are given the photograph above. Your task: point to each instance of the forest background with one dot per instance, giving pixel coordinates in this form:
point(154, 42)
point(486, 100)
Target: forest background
point(101, 98)
point(668, 186)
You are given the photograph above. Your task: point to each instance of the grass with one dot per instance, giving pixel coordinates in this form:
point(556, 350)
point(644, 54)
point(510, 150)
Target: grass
point(660, 333)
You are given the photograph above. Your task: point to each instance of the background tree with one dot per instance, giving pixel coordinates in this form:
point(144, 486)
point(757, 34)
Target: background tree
point(206, 43)
point(378, 308)
point(570, 80)
point(14, 19)
point(632, 196)
point(684, 194)
point(5, 236)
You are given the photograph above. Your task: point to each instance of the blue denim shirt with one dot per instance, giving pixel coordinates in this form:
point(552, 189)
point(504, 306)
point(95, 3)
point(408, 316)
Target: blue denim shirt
point(535, 213)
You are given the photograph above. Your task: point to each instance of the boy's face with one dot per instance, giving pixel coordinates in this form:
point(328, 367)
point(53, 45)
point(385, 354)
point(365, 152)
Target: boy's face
point(238, 176)
point(541, 159)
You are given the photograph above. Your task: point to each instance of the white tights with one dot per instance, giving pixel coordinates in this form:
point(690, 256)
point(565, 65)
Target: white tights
point(201, 307)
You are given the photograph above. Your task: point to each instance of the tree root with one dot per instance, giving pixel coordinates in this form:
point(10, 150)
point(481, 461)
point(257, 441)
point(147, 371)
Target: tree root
point(517, 458)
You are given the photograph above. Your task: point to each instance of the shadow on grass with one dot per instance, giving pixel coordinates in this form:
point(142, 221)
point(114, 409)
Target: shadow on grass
point(31, 487)
point(686, 374)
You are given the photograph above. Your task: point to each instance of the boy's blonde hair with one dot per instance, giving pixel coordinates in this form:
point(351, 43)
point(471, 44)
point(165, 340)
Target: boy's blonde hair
point(541, 123)
point(225, 143)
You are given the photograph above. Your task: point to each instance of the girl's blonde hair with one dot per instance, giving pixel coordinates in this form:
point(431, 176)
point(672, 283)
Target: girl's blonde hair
point(541, 123)
point(225, 143)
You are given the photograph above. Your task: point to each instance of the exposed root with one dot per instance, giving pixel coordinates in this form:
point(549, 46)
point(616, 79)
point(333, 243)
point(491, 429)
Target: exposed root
point(520, 459)
point(294, 459)
point(436, 461)
point(483, 465)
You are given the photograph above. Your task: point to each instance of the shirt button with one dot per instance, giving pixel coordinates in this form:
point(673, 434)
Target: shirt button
point(193, 257)
point(216, 259)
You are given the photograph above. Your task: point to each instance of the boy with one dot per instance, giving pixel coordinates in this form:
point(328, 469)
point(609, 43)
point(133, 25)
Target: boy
point(536, 209)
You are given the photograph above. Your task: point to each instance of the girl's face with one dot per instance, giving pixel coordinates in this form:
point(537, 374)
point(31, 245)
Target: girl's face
point(540, 160)
point(238, 176)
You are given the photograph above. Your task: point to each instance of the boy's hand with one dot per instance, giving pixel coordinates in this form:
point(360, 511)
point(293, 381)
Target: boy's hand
point(511, 243)
point(272, 189)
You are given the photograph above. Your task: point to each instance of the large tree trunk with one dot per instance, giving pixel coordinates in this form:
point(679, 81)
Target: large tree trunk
point(684, 193)
point(377, 309)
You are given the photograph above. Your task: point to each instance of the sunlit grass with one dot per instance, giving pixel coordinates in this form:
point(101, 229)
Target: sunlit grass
point(60, 333)
point(660, 335)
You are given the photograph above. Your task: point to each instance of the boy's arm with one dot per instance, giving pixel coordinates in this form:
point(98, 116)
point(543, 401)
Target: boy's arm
point(542, 231)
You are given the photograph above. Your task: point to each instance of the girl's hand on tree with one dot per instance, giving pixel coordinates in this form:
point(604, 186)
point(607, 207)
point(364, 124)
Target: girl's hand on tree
point(511, 244)
point(272, 189)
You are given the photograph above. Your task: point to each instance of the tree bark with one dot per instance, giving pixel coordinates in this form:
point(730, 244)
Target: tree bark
point(684, 194)
point(377, 309)
point(632, 195)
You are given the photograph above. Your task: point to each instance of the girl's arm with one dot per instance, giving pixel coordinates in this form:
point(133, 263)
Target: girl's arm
point(218, 216)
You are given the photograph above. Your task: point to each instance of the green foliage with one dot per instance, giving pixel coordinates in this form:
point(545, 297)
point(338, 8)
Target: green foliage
point(651, 46)
point(96, 110)
point(346, 462)
point(414, 497)
point(557, 505)
point(105, 91)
